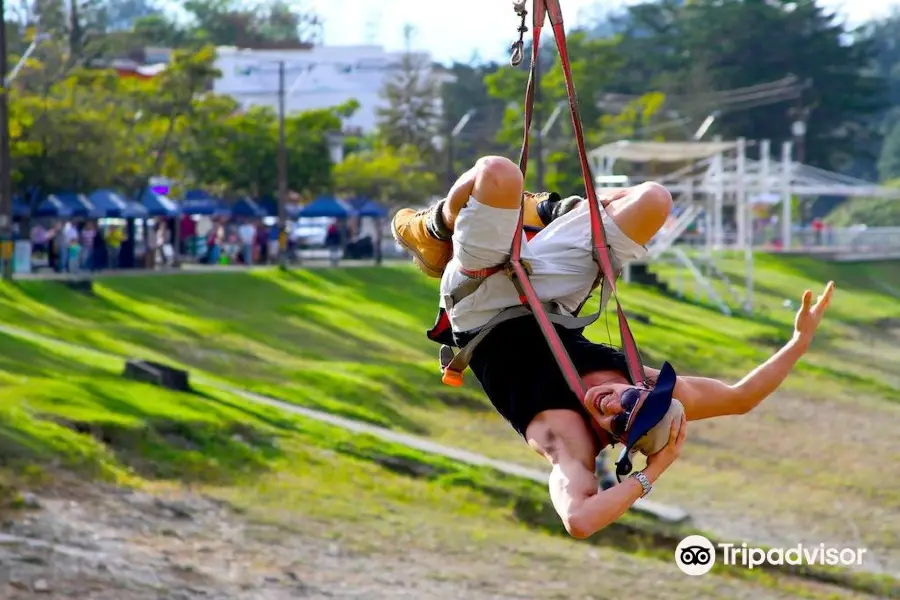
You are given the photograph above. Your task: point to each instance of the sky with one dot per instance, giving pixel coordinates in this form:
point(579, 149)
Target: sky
point(460, 29)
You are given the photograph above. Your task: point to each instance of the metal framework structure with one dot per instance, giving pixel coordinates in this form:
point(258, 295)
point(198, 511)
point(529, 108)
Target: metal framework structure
point(719, 176)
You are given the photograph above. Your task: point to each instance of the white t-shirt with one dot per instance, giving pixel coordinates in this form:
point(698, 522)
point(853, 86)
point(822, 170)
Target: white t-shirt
point(247, 233)
point(70, 234)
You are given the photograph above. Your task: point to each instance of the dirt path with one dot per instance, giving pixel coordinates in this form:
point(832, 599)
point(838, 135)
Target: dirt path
point(98, 542)
point(105, 543)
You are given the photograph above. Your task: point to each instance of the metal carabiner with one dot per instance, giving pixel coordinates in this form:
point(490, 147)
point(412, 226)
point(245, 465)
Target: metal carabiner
point(518, 48)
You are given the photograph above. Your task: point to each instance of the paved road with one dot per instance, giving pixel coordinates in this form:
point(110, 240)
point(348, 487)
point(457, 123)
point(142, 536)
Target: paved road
point(660, 511)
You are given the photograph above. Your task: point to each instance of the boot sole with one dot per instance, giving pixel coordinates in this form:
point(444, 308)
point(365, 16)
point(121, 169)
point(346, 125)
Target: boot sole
point(417, 258)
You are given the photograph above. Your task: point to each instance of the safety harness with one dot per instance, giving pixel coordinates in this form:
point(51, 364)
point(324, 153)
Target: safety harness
point(454, 364)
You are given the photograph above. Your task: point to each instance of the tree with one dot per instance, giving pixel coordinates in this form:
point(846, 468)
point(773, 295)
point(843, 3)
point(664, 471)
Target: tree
point(412, 111)
point(256, 24)
point(593, 61)
point(158, 30)
point(393, 176)
point(681, 48)
point(882, 35)
point(92, 128)
point(889, 161)
point(236, 151)
point(879, 212)
point(122, 14)
point(467, 91)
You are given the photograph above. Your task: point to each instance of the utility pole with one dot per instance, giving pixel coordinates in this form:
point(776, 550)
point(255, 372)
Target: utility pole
point(451, 176)
point(451, 140)
point(6, 243)
point(282, 171)
point(800, 116)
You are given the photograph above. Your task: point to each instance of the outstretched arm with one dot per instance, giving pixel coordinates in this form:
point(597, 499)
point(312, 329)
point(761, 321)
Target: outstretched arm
point(704, 398)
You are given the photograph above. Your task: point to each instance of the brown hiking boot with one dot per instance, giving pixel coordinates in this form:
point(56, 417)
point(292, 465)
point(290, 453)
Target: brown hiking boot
point(530, 204)
point(543, 208)
point(416, 232)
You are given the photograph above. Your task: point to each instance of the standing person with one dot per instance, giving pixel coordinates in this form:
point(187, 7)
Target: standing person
point(247, 238)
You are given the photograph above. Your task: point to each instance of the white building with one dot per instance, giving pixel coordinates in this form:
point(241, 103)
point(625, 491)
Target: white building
point(320, 77)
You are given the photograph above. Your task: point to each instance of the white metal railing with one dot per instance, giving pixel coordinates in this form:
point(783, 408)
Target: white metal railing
point(674, 230)
point(701, 280)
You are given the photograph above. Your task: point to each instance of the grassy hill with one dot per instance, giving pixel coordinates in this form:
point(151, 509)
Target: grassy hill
point(63, 411)
point(874, 212)
point(352, 342)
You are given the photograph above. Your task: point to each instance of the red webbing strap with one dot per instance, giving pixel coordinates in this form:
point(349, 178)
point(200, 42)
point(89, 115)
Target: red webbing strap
point(518, 273)
point(598, 236)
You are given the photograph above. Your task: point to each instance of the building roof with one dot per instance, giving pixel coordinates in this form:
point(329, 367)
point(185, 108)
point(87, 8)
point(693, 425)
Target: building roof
point(644, 152)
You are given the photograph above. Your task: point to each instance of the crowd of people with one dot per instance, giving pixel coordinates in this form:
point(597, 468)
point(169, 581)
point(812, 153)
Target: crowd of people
point(91, 245)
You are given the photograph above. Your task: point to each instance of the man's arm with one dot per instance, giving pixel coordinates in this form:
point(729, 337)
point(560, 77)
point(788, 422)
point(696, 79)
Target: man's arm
point(583, 509)
point(704, 398)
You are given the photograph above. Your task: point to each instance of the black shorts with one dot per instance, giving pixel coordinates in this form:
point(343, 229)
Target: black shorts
point(519, 374)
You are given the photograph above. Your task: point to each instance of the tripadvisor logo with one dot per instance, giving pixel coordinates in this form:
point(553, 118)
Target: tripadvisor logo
point(696, 555)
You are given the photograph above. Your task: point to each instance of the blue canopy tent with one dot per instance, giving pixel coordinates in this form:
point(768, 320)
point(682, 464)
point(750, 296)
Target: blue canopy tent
point(370, 208)
point(158, 205)
point(270, 205)
point(199, 202)
point(326, 207)
point(21, 209)
point(53, 207)
point(79, 205)
point(370, 243)
point(247, 207)
point(116, 205)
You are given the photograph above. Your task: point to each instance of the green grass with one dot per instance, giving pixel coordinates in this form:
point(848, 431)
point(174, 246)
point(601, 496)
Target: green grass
point(874, 212)
point(62, 410)
point(857, 345)
point(352, 342)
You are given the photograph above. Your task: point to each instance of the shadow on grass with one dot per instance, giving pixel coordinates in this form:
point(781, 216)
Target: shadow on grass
point(283, 314)
point(91, 421)
point(23, 358)
point(190, 452)
point(280, 314)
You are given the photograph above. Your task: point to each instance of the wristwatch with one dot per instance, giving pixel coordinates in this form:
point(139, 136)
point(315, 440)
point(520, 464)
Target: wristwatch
point(645, 483)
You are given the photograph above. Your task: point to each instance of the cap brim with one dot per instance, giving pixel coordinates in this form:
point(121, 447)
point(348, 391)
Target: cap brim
point(653, 408)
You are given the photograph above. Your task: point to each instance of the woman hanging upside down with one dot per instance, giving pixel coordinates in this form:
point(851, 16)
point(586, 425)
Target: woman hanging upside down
point(472, 229)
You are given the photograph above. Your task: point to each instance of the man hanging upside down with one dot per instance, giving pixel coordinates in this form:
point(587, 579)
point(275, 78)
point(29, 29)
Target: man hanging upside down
point(471, 229)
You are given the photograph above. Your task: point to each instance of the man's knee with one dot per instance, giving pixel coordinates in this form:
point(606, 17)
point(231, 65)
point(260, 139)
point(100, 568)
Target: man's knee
point(498, 182)
point(656, 201)
point(642, 212)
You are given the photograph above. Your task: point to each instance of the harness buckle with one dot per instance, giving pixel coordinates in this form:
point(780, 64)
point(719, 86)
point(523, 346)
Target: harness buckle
point(511, 273)
point(452, 378)
point(449, 376)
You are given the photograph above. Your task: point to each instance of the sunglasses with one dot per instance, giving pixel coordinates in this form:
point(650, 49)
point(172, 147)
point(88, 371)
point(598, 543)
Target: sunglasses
point(629, 400)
